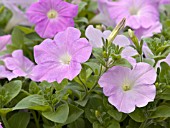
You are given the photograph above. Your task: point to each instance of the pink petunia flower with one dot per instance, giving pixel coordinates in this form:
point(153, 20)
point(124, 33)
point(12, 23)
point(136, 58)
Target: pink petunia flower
point(104, 15)
point(128, 88)
point(5, 40)
point(19, 64)
point(62, 57)
point(95, 38)
point(0, 125)
point(51, 16)
point(18, 16)
point(148, 32)
point(4, 72)
point(164, 1)
point(138, 13)
point(167, 60)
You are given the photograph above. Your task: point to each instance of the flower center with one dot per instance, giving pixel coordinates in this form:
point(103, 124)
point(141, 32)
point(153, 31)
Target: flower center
point(126, 87)
point(65, 59)
point(52, 14)
point(127, 84)
point(133, 10)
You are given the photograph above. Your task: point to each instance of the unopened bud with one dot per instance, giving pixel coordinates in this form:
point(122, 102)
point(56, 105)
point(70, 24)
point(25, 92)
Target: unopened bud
point(116, 30)
point(105, 54)
point(134, 38)
point(97, 114)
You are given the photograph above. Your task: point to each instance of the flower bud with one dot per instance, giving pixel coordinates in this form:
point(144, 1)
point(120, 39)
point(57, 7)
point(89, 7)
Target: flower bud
point(116, 30)
point(133, 38)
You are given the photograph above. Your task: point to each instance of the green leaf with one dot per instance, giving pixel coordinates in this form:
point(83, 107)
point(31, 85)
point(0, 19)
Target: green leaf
point(95, 103)
point(138, 115)
point(33, 88)
point(115, 114)
point(26, 30)
point(114, 124)
point(59, 116)
point(4, 111)
point(97, 125)
point(74, 114)
point(99, 58)
point(81, 20)
point(11, 89)
point(132, 124)
point(35, 102)
point(95, 67)
point(17, 38)
point(165, 94)
point(79, 122)
point(19, 120)
point(122, 62)
point(81, 6)
point(161, 111)
point(165, 73)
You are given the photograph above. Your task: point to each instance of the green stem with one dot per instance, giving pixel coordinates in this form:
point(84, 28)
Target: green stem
point(156, 61)
point(84, 86)
point(25, 92)
point(97, 80)
point(141, 58)
point(36, 120)
point(5, 121)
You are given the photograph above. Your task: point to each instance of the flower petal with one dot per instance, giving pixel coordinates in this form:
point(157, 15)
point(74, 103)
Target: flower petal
point(95, 36)
point(143, 73)
point(144, 94)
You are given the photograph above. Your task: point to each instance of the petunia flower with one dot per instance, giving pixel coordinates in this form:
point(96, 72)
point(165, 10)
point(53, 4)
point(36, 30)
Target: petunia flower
point(4, 72)
point(167, 60)
point(95, 38)
point(18, 16)
point(126, 88)
point(4, 41)
point(51, 17)
point(62, 57)
point(164, 2)
point(0, 125)
point(19, 64)
point(104, 15)
point(22, 3)
point(148, 32)
point(136, 12)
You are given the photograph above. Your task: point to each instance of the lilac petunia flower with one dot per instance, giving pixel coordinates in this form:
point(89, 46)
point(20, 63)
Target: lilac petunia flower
point(4, 72)
point(18, 16)
point(95, 38)
point(136, 12)
point(62, 57)
point(5, 40)
point(19, 64)
point(148, 32)
point(167, 60)
point(51, 16)
point(128, 88)
point(164, 1)
point(104, 15)
point(0, 125)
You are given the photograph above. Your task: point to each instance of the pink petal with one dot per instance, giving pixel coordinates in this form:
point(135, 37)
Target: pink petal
point(144, 73)
point(142, 97)
point(95, 36)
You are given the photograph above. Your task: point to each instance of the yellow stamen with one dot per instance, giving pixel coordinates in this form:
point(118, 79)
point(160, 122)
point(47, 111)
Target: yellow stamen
point(52, 14)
